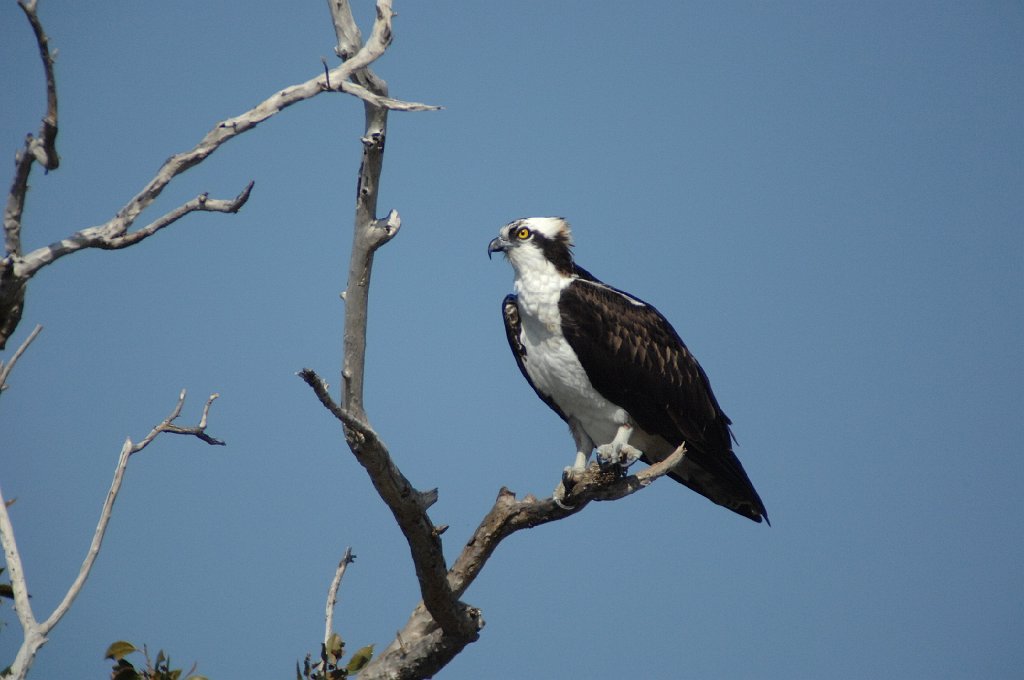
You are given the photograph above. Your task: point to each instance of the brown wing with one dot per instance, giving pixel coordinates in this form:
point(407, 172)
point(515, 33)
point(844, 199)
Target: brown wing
point(637, 361)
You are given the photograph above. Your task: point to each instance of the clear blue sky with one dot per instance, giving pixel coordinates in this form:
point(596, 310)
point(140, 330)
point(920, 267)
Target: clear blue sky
point(826, 199)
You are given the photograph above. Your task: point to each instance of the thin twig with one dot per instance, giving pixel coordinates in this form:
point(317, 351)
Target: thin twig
point(332, 592)
point(6, 368)
point(198, 431)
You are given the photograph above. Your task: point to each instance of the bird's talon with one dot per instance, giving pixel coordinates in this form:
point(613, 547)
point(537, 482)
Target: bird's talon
point(629, 455)
point(560, 492)
point(607, 455)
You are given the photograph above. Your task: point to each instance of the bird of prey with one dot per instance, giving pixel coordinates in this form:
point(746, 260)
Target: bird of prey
point(613, 368)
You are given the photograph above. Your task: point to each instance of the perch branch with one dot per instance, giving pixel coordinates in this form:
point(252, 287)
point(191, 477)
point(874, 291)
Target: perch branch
point(421, 648)
point(509, 515)
point(36, 632)
point(440, 626)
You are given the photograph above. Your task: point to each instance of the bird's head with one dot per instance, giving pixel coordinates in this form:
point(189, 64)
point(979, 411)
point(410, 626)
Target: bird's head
point(535, 242)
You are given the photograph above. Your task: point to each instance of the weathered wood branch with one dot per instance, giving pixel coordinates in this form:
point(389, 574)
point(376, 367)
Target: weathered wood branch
point(441, 626)
point(36, 632)
point(509, 515)
point(422, 648)
point(332, 592)
point(409, 507)
point(17, 268)
point(42, 149)
point(8, 366)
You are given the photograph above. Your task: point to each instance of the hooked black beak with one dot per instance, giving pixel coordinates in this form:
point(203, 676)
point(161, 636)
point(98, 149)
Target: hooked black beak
point(497, 245)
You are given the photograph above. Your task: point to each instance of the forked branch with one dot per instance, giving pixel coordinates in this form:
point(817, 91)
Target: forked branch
point(422, 648)
point(441, 625)
point(17, 268)
point(409, 507)
point(35, 631)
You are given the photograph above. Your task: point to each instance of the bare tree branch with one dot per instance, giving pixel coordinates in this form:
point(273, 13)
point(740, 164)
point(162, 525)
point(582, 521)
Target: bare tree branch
point(41, 149)
point(197, 431)
point(407, 504)
point(509, 515)
point(36, 632)
point(409, 507)
point(441, 625)
point(365, 238)
point(332, 592)
point(16, 269)
point(422, 648)
point(6, 368)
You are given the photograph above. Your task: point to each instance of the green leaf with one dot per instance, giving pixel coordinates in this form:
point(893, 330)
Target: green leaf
point(197, 677)
point(360, 659)
point(119, 650)
point(335, 648)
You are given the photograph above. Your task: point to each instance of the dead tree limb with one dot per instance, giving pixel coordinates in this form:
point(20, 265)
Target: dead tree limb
point(42, 149)
point(332, 592)
point(408, 505)
point(441, 625)
point(8, 366)
point(422, 648)
point(16, 267)
point(36, 631)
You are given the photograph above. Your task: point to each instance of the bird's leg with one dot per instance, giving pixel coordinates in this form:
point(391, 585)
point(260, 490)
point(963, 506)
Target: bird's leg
point(572, 475)
point(584, 445)
point(619, 452)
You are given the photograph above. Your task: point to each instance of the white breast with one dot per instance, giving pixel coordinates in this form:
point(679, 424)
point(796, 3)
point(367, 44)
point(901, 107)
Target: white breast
point(554, 369)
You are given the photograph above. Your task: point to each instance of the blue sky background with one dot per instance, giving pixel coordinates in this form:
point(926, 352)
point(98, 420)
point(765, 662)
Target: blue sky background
point(826, 199)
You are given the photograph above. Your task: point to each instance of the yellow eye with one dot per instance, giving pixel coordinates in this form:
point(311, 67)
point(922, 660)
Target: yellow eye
point(523, 233)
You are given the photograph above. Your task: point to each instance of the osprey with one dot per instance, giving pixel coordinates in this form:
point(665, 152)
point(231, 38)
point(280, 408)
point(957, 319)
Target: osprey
point(613, 368)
